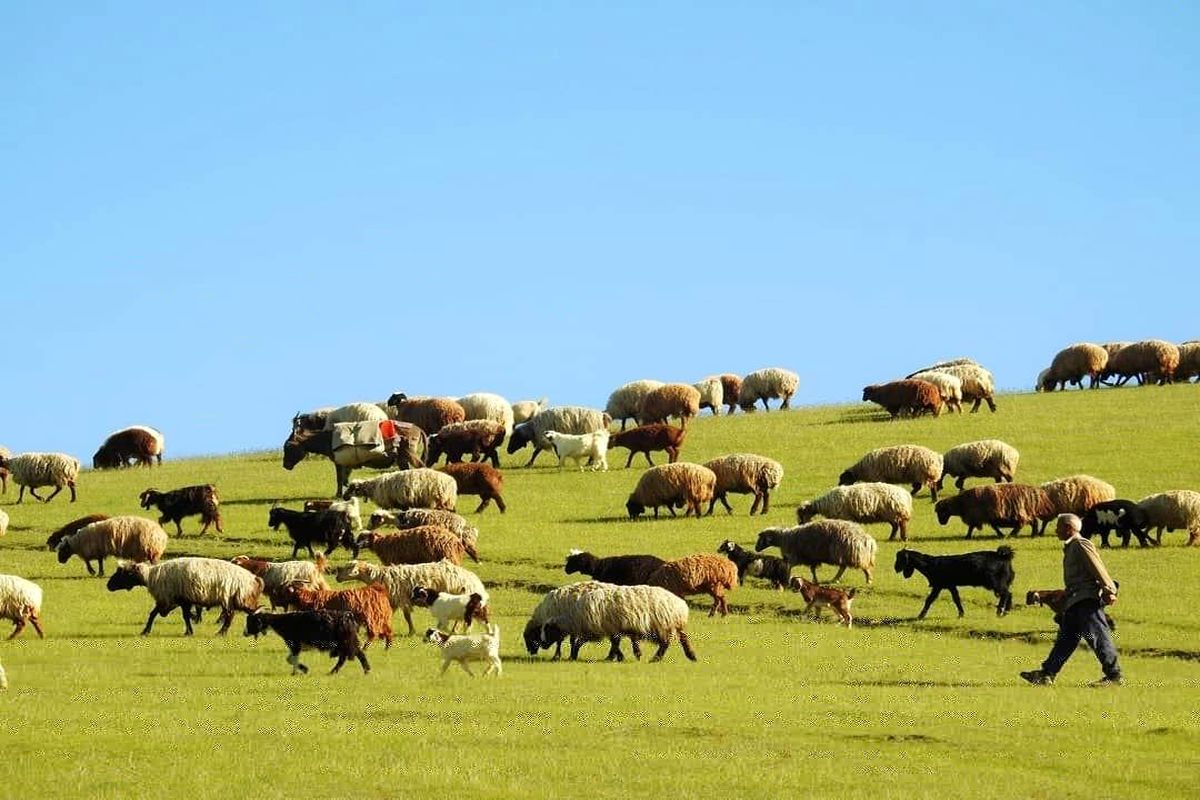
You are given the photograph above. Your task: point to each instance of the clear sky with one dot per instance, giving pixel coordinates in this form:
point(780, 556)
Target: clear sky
point(212, 216)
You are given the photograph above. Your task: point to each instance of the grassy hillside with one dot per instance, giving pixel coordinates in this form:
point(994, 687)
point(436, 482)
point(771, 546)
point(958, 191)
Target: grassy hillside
point(777, 703)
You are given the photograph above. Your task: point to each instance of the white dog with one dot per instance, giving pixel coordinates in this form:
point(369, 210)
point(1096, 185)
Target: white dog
point(468, 647)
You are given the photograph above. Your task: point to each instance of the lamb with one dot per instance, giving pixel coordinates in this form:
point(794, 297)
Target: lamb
point(769, 568)
point(430, 414)
point(903, 464)
point(817, 596)
point(1074, 363)
point(137, 443)
point(368, 604)
point(949, 386)
point(670, 400)
point(671, 485)
point(983, 568)
point(71, 527)
point(646, 438)
point(864, 503)
point(745, 473)
point(767, 384)
point(1007, 504)
point(481, 480)
point(401, 579)
point(191, 582)
point(625, 402)
point(1076, 495)
point(911, 395)
point(628, 570)
point(352, 508)
point(986, 458)
point(1142, 359)
point(34, 470)
point(133, 538)
point(1189, 362)
point(592, 447)
point(416, 546)
point(712, 394)
point(525, 410)
point(978, 385)
point(189, 501)
point(481, 438)
point(1124, 516)
point(1171, 510)
point(450, 609)
point(593, 611)
point(277, 574)
point(490, 407)
point(701, 573)
point(410, 488)
point(828, 541)
point(564, 419)
point(469, 647)
point(416, 517)
point(21, 602)
point(331, 528)
point(333, 632)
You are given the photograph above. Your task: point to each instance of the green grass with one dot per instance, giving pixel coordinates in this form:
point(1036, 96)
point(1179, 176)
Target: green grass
point(777, 703)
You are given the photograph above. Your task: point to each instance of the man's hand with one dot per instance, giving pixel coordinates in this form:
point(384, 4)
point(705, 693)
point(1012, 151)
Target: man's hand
point(1107, 597)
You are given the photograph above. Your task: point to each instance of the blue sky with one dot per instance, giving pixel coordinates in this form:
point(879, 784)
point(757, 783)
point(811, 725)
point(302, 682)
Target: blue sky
point(213, 217)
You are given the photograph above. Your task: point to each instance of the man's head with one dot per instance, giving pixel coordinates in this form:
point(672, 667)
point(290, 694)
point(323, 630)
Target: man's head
point(1067, 525)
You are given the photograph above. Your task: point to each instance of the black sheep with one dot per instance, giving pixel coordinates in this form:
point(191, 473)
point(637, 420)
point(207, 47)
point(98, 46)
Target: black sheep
point(770, 568)
point(333, 632)
point(621, 570)
point(330, 528)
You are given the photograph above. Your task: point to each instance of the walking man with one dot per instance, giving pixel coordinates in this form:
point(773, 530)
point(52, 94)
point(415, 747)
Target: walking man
point(1089, 589)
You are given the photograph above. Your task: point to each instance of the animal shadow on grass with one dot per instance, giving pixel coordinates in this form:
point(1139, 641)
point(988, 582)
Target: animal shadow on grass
point(267, 501)
point(898, 738)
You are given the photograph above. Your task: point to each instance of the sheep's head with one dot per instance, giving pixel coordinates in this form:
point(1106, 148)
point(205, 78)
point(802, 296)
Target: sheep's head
point(578, 561)
point(354, 489)
point(533, 641)
point(106, 458)
point(349, 571)
point(945, 509)
point(805, 513)
point(423, 597)
point(256, 624)
point(522, 435)
point(634, 508)
point(148, 498)
point(397, 398)
point(476, 609)
point(868, 392)
point(847, 478)
point(904, 563)
point(64, 551)
point(275, 518)
point(727, 546)
point(766, 538)
point(126, 577)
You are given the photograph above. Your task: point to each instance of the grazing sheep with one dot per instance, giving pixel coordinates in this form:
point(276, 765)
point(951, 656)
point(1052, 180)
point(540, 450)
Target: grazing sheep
point(625, 402)
point(828, 541)
point(1074, 363)
point(368, 604)
point(333, 632)
point(71, 527)
point(1012, 505)
point(430, 414)
point(486, 406)
point(135, 443)
point(908, 464)
point(767, 384)
point(671, 485)
point(191, 582)
point(1189, 362)
point(701, 573)
point(564, 419)
point(580, 447)
point(769, 568)
point(986, 458)
point(1174, 510)
point(481, 438)
point(1123, 516)
point(982, 568)
point(978, 385)
point(331, 528)
point(21, 602)
point(468, 647)
point(189, 501)
point(949, 386)
point(712, 394)
point(543, 630)
point(745, 473)
point(482, 480)
point(670, 400)
point(416, 517)
point(731, 389)
point(621, 570)
point(401, 579)
point(817, 597)
point(450, 609)
point(1076, 494)
point(352, 508)
point(416, 546)
point(277, 574)
point(131, 538)
point(525, 410)
point(1152, 357)
point(645, 438)
point(863, 503)
point(34, 470)
point(409, 488)
point(911, 395)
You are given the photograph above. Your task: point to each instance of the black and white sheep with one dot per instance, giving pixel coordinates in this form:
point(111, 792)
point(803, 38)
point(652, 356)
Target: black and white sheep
point(827, 541)
point(1123, 516)
point(191, 583)
point(990, 570)
point(769, 568)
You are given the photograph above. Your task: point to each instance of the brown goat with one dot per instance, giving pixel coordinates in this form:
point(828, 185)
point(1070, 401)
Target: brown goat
point(646, 438)
point(480, 479)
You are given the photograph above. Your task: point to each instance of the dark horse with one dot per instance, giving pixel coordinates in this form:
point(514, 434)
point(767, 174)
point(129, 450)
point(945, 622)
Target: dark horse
point(349, 457)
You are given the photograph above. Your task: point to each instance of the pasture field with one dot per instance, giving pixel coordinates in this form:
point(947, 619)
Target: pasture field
point(777, 704)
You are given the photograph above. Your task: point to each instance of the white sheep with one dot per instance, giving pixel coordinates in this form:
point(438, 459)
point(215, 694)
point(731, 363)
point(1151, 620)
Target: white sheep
point(278, 574)
point(681, 484)
point(978, 385)
point(21, 602)
point(525, 410)
point(34, 470)
point(191, 582)
point(626, 400)
point(126, 537)
point(863, 503)
point(420, 517)
point(909, 464)
point(768, 384)
point(1175, 510)
point(985, 458)
point(949, 386)
point(712, 393)
point(355, 412)
point(401, 579)
point(483, 405)
point(564, 419)
point(580, 448)
point(409, 488)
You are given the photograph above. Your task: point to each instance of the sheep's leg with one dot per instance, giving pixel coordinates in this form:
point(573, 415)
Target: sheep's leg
point(294, 659)
point(532, 458)
point(840, 571)
point(661, 651)
point(637, 647)
point(670, 507)
point(814, 572)
point(867, 573)
point(91, 570)
point(576, 643)
point(18, 626)
point(362, 659)
point(999, 533)
point(766, 503)
point(33, 493)
point(341, 659)
point(226, 619)
point(929, 601)
point(614, 649)
point(724, 502)
point(408, 618)
point(53, 494)
point(957, 600)
point(37, 625)
point(21, 496)
point(150, 621)
point(500, 504)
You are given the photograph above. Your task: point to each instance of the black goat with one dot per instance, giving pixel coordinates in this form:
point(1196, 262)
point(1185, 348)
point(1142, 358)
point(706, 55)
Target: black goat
point(621, 570)
point(1123, 516)
point(333, 632)
point(330, 528)
point(769, 568)
point(990, 570)
point(189, 501)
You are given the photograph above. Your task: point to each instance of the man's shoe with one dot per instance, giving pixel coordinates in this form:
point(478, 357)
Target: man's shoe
point(1038, 678)
point(1108, 681)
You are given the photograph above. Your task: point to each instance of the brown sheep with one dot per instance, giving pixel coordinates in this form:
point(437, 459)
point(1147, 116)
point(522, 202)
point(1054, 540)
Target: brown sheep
point(732, 386)
point(369, 605)
point(1073, 364)
point(418, 545)
point(912, 395)
point(483, 480)
point(671, 400)
point(702, 573)
point(1153, 357)
point(481, 438)
point(1012, 505)
point(672, 485)
point(646, 438)
point(430, 414)
point(136, 443)
point(745, 473)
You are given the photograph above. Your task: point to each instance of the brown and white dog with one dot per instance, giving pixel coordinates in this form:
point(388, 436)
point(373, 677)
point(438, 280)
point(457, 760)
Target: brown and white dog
point(818, 596)
point(468, 647)
point(1055, 600)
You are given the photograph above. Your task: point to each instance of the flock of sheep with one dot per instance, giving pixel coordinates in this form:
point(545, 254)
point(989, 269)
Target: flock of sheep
point(421, 542)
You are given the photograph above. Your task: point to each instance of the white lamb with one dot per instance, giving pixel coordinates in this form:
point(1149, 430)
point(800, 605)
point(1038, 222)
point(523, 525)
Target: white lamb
point(581, 447)
point(469, 647)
